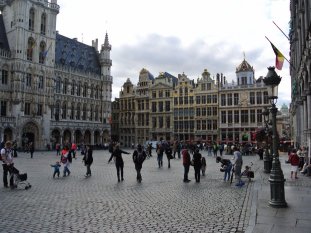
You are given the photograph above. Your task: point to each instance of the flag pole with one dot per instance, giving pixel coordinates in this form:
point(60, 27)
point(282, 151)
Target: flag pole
point(282, 54)
point(281, 30)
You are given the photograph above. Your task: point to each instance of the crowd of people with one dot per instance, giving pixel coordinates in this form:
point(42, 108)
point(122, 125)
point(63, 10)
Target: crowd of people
point(190, 155)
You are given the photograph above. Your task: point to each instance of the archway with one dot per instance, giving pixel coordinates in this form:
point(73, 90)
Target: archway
point(55, 138)
point(87, 137)
point(30, 133)
point(7, 134)
point(97, 138)
point(67, 137)
point(78, 137)
point(106, 136)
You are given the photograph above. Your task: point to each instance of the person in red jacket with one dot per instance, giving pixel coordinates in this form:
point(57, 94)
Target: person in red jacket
point(294, 161)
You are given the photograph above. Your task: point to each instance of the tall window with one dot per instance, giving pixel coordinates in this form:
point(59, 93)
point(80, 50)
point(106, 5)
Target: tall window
point(79, 89)
point(42, 53)
point(223, 100)
point(84, 90)
point(28, 80)
point(259, 115)
point(223, 117)
point(43, 24)
point(40, 82)
point(168, 122)
point(3, 108)
point(72, 111)
point(236, 98)
point(253, 116)
point(244, 116)
point(265, 97)
point(39, 109)
point(243, 80)
point(30, 46)
point(252, 97)
point(64, 111)
point(259, 99)
point(198, 99)
point(236, 116)
point(27, 109)
point(230, 117)
point(73, 86)
point(57, 85)
point(4, 77)
point(84, 112)
point(167, 106)
point(31, 19)
point(229, 96)
point(78, 111)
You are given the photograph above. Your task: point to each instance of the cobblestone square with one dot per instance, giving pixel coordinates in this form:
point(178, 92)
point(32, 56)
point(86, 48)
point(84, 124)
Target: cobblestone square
point(161, 203)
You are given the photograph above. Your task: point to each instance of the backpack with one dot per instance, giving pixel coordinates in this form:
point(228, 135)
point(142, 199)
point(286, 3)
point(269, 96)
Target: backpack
point(140, 157)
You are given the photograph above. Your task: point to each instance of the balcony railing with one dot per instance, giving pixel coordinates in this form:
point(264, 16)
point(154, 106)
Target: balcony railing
point(5, 119)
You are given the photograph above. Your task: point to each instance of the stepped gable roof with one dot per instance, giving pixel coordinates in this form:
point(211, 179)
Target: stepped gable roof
point(244, 66)
point(74, 54)
point(3, 38)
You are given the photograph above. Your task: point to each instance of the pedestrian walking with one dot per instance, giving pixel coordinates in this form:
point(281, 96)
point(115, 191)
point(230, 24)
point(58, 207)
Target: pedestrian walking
point(66, 159)
point(226, 167)
point(294, 162)
point(186, 163)
point(7, 164)
point(169, 155)
point(88, 160)
point(74, 150)
point(117, 156)
point(197, 164)
point(160, 151)
point(57, 147)
point(56, 167)
point(238, 162)
point(31, 148)
point(139, 156)
point(203, 167)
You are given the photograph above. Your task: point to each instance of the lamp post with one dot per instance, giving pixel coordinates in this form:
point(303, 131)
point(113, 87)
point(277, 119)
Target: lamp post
point(272, 80)
point(267, 160)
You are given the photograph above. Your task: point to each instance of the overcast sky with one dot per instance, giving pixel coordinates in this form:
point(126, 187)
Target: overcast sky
point(182, 36)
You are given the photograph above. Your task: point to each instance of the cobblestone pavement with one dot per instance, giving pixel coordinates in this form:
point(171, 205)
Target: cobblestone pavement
point(161, 203)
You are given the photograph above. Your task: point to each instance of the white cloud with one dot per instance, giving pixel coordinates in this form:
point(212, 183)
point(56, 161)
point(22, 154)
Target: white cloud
point(182, 36)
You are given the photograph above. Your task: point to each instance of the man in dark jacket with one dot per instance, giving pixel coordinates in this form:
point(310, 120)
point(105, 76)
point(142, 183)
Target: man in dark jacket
point(117, 155)
point(186, 160)
point(197, 163)
point(139, 157)
point(88, 160)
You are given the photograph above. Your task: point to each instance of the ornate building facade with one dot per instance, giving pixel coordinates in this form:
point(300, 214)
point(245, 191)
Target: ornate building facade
point(53, 89)
point(209, 110)
point(300, 71)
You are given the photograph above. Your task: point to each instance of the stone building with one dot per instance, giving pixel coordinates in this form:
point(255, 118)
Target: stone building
point(181, 109)
point(300, 71)
point(53, 89)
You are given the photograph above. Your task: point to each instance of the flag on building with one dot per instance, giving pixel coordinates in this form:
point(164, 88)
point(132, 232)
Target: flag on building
point(45, 53)
point(279, 59)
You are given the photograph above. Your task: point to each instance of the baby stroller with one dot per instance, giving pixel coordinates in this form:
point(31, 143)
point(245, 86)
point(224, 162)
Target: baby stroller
point(248, 173)
point(19, 179)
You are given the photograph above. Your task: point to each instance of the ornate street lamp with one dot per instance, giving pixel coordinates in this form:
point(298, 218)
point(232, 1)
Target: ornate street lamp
point(267, 160)
point(272, 80)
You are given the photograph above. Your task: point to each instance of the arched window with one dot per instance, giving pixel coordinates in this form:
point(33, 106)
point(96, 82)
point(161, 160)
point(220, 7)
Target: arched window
point(30, 47)
point(72, 111)
point(57, 85)
point(84, 90)
point(65, 87)
point(92, 91)
point(57, 111)
point(31, 19)
point(43, 23)
point(64, 111)
point(96, 113)
point(42, 53)
point(84, 112)
point(97, 92)
point(4, 76)
point(91, 112)
point(78, 111)
point(73, 86)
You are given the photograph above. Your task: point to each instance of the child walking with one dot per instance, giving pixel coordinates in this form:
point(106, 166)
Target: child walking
point(56, 167)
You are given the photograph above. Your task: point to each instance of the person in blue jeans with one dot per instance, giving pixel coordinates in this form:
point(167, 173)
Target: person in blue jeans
point(226, 166)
